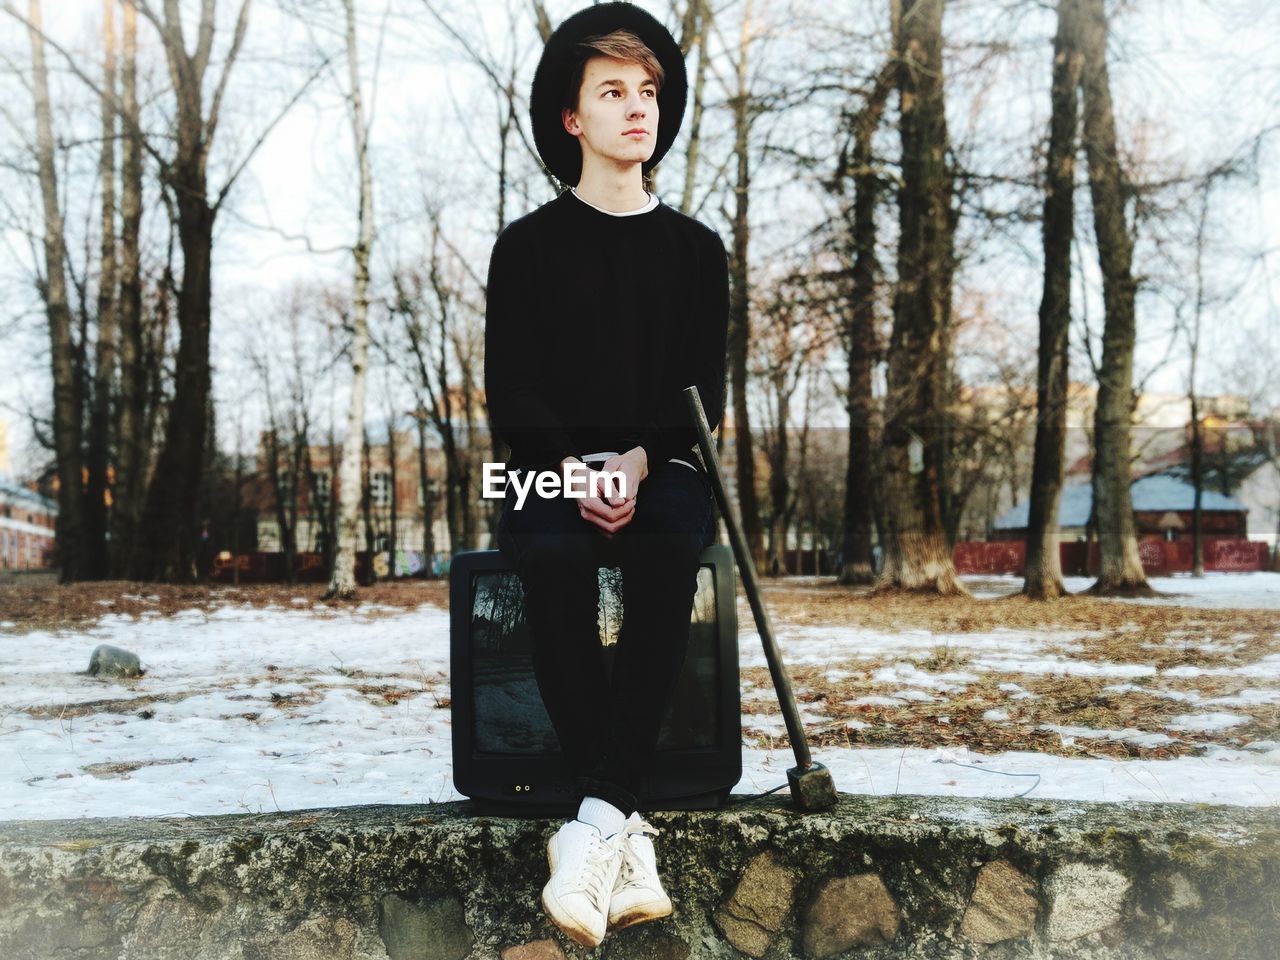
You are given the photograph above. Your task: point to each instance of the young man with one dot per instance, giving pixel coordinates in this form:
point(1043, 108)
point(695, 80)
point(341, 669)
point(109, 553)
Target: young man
point(603, 305)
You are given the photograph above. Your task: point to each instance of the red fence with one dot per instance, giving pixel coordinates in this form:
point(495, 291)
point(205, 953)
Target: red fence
point(263, 567)
point(990, 556)
point(1158, 556)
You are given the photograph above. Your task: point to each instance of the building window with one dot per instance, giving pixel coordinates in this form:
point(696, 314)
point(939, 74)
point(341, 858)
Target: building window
point(320, 484)
point(380, 489)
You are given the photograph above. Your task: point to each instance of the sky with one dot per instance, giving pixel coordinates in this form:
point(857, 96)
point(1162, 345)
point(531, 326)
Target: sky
point(1188, 83)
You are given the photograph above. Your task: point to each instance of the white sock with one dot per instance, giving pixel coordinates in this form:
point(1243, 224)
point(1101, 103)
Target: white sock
point(602, 815)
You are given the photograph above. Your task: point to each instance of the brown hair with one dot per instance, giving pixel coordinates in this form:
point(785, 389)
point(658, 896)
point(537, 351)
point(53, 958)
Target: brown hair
point(619, 45)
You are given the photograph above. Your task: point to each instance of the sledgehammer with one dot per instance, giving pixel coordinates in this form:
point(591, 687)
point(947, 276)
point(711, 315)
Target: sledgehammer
point(811, 785)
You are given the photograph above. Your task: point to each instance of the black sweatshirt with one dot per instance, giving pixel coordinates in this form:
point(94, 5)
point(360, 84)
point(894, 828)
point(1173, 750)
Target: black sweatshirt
point(595, 324)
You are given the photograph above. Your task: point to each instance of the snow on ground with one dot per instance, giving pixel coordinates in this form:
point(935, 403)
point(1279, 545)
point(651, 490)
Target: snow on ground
point(1220, 591)
point(288, 707)
point(1224, 776)
point(253, 709)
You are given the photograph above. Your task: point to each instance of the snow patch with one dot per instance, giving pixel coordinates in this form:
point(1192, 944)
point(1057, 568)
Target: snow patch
point(1204, 722)
point(1128, 735)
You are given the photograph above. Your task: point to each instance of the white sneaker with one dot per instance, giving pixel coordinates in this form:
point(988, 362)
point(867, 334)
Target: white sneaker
point(637, 893)
point(584, 866)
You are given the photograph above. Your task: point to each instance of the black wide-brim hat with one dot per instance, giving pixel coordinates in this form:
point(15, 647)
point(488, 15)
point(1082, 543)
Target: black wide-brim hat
point(558, 148)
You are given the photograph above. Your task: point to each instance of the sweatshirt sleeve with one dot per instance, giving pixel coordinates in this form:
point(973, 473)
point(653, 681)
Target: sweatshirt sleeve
point(700, 361)
point(514, 381)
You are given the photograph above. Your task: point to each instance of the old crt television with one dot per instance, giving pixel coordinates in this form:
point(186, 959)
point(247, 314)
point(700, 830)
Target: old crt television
point(506, 756)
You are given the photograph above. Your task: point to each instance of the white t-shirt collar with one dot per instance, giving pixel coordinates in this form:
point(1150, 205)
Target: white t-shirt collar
point(653, 202)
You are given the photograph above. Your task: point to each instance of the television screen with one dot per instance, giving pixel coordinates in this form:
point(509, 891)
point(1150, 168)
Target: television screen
point(509, 717)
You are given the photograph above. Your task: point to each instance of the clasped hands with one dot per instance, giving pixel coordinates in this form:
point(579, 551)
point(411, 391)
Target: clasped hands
point(611, 514)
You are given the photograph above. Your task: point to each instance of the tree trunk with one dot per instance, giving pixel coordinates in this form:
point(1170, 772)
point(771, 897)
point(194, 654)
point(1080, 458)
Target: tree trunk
point(779, 483)
point(343, 580)
point(453, 495)
point(132, 436)
point(319, 506)
point(66, 407)
point(858, 564)
point(1120, 568)
point(393, 505)
point(916, 555)
point(428, 503)
point(433, 379)
point(280, 497)
point(98, 492)
point(1197, 481)
point(1197, 430)
point(333, 455)
point(739, 338)
point(697, 22)
point(467, 455)
point(1043, 574)
point(169, 521)
point(366, 506)
point(237, 501)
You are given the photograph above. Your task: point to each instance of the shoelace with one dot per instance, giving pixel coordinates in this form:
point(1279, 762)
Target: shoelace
point(591, 876)
point(630, 872)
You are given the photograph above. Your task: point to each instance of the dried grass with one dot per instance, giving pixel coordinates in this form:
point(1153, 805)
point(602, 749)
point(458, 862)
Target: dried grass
point(1118, 632)
point(46, 605)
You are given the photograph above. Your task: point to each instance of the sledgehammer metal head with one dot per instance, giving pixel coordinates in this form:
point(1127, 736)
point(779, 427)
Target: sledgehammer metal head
point(812, 788)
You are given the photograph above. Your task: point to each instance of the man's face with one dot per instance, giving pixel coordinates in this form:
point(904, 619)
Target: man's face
point(616, 99)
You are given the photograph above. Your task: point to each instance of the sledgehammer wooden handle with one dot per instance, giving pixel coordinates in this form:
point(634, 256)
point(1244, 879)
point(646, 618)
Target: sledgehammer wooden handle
point(811, 784)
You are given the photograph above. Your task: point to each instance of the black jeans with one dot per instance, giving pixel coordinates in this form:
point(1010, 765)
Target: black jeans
point(608, 732)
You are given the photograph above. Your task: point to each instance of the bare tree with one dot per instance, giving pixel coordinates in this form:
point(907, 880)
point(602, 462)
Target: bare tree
point(917, 555)
point(1043, 573)
point(860, 336)
point(427, 486)
point(502, 78)
point(988, 423)
point(1120, 567)
point(166, 546)
point(1197, 432)
point(1201, 300)
point(694, 26)
point(744, 112)
point(284, 487)
point(99, 436)
point(66, 390)
point(393, 503)
point(441, 363)
point(342, 581)
point(287, 439)
point(778, 367)
point(366, 503)
point(795, 332)
point(132, 433)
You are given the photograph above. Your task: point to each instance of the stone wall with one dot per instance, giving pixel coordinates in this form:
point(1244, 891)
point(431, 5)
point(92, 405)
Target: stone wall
point(875, 877)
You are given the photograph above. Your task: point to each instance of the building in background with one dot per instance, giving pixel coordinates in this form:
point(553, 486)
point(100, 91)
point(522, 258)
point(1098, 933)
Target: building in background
point(1162, 506)
point(1240, 455)
point(27, 522)
point(312, 508)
